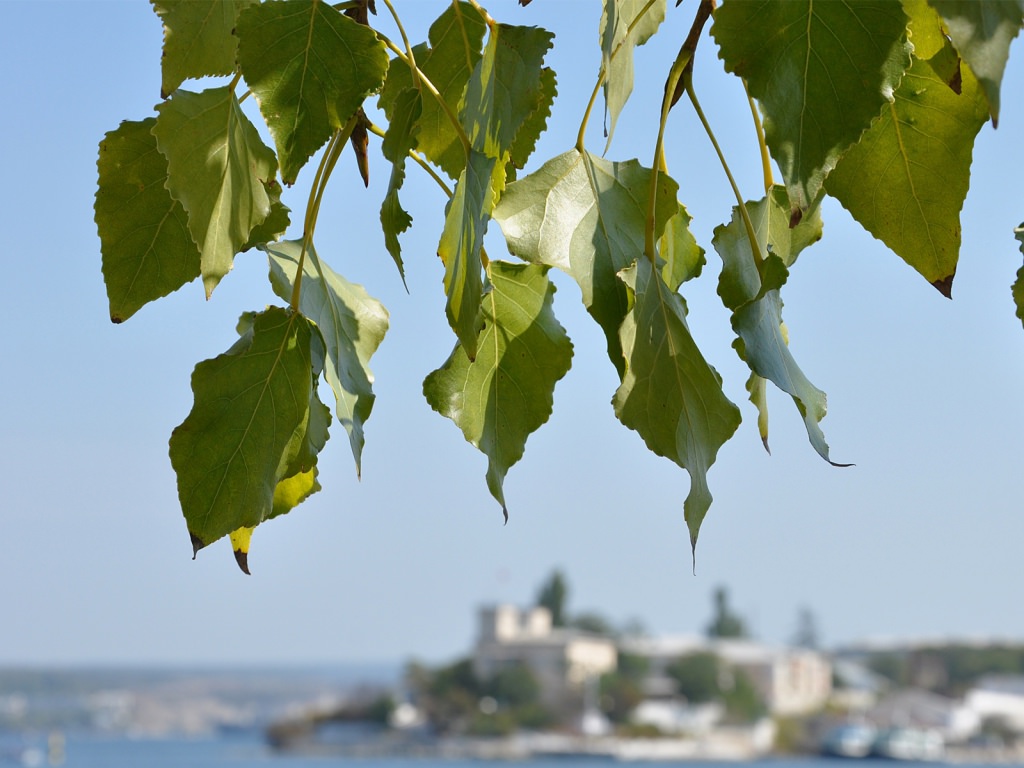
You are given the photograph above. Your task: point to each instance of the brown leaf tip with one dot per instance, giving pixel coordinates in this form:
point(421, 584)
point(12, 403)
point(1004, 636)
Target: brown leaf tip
point(197, 544)
point(242, 558)
point(945, 286)
point(504, 511)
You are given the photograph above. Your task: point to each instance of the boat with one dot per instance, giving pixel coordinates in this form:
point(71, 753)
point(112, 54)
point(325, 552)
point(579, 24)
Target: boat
point(850, 740)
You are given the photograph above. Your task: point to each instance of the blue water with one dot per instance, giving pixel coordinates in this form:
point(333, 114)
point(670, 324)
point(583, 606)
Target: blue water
point(97, 752)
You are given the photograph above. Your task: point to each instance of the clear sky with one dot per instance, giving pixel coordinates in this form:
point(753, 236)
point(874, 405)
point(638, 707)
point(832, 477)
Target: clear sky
point(922, 537)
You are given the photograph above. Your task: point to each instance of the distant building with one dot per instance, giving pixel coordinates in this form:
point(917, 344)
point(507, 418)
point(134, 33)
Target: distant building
point(561, 660)
point(999, 697)
point(790, 681)
point(916, 708)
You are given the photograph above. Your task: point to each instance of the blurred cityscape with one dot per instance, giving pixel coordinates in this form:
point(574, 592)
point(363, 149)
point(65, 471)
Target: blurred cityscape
point(539, 681)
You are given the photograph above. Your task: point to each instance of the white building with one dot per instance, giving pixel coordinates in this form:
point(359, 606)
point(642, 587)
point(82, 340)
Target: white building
point(791, 681)
point(561, 660)
point(999, 697)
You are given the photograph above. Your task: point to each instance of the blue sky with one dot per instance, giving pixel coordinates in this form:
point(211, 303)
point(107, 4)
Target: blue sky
point(922, 537)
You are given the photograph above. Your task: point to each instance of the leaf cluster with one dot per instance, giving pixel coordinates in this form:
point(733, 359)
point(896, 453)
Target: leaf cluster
point(874, 102)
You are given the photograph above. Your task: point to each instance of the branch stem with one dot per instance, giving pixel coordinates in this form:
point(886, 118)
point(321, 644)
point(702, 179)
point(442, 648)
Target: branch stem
point(417, 72)
point(316, 194)
point(744, 214)
point(766, 162)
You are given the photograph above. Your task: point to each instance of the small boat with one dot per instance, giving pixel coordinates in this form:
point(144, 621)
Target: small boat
point(909, 744)
point(849, 740)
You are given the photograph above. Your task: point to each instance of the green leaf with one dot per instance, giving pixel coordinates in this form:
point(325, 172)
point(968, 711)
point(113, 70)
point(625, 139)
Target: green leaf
point(981, 31)
point(277, 221)
point(750, 288)
point(669, 394)
point(352, 323)
point(921, 148)
point(505, 87)
point(925, 28)
point(585, 216)
point(534, 125)
point(147, 250)
point(399, 140)
point(503, 396)
point(310, 67)
point(678, 248)
point(1018, 287)
point(461, 243)
point(247, 426)
point(199, 39)
point(300, 481)
point(456, 39)
point(625, 24)
point(217, 167)
point(821, 71)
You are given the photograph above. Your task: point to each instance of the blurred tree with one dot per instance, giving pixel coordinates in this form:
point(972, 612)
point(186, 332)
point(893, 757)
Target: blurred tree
point(806, 634)
point(725, 623)
point(697, 676)
point(592, 622)
point(553, 596)
point(743, 702)
point(622, 690)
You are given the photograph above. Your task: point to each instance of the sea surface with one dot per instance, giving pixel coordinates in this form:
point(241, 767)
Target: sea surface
point(249, 752)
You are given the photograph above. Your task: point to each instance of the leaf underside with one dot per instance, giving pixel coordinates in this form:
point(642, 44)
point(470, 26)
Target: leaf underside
point(750, 287)
point(981, 33)
point(625, 24)
point(351, 322)
point(585, 216)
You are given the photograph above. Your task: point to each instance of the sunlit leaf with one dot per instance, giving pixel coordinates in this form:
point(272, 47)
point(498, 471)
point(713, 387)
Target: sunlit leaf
point(926, 32)
point(981, 31)
point(199, 39)
point(906, 180)
point(147, 249)
point(351, 322)
point(684, 258)
point(669, 394)
point(456, 40)
point(310, 67)
point(461, 242)
point(822, 72)
point(217, 167)
point(503, 396)
point(625, 24)
point(585, 216)
point(240, 540)
point(505, 87)
point(247, 426)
